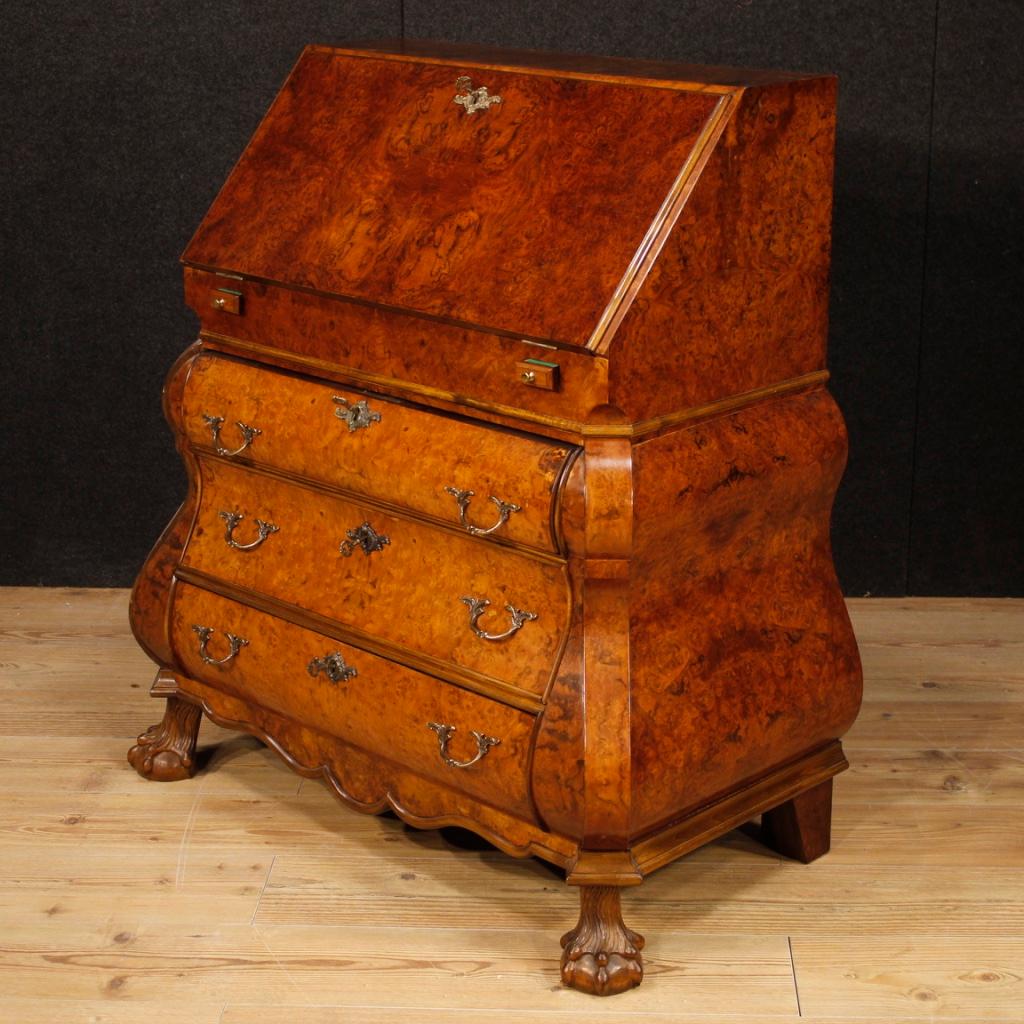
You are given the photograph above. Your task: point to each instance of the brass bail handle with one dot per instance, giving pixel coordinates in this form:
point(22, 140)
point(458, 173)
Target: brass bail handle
point(444, 735)
point(477, 606)
point(235, 644)
point(249, 434)
point(232, 519)
point(463, 498)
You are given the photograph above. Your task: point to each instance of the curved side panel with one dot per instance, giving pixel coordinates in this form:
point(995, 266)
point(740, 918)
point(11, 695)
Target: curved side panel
point(372, 784)
point(556, 771)
point(742, 651)
point(151, 594)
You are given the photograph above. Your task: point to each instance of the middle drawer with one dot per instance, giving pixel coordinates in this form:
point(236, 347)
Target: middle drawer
point(485, 608)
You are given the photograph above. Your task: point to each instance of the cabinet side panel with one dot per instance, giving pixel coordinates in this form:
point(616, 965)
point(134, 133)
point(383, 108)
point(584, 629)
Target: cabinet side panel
point(738, 298)
point(148, 609)
point(743, 656)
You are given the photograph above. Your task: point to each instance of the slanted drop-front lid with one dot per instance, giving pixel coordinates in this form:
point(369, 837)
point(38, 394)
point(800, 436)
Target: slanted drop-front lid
point(398, 183)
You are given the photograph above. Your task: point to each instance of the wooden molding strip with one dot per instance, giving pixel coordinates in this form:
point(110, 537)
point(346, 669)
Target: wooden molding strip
point(468, 679)
point(659, 424)
point(678, 85)
point(355, 300)
point(636, 431)
point(738, 807)
point(660, 228)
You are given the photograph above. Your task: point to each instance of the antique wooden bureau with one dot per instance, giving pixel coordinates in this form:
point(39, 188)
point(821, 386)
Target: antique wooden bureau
point(511, 461)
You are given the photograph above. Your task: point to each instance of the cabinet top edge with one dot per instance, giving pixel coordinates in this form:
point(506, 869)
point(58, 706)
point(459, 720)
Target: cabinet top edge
point(671, 74)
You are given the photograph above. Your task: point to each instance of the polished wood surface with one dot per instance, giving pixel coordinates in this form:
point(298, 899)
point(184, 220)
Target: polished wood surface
point(751, 595)
point(594, 621)
point(243, 896)
point(382, 709)
point(394, 353)
point(752, 291)
point(301, 434)
point(386, 593)
point(366, 180)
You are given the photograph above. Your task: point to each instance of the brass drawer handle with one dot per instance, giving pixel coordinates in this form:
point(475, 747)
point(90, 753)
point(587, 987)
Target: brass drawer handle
point(476, 607)
point(505, 509)
point(333, 666)
point(263, 530)
point(249, 434)
point(204, 633)
point(357, 416)
point(444, 734)
point(365, 537)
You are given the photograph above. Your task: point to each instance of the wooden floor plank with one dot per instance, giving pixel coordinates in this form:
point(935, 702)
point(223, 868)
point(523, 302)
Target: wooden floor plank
point(236, 1013)
point(247, 896)
point(945, 778)
point(459, 968)
point(964, 725)
point(933, 978)
point(56, 1010)
point(761, 897)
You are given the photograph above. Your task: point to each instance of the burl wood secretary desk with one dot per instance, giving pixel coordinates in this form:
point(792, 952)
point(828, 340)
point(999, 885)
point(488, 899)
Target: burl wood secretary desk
point(511, 461)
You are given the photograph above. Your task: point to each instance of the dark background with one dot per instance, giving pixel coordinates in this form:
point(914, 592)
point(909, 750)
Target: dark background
point(120, 120)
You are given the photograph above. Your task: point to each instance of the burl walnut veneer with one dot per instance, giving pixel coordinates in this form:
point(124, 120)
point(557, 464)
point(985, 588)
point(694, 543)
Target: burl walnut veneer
point(511, 461)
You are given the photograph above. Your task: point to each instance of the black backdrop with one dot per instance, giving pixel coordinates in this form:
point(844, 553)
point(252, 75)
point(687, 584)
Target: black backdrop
point(120, 119)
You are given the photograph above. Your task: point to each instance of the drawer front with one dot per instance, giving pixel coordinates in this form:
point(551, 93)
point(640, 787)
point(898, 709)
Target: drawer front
point(486, 480)
point(396, 579)
point(378, 706)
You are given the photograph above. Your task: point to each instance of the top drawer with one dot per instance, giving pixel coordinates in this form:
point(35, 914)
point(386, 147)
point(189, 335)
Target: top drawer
point(493, 482)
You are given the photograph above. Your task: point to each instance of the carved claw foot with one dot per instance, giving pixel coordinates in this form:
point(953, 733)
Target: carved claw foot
point(601, 955)
point(165, 752)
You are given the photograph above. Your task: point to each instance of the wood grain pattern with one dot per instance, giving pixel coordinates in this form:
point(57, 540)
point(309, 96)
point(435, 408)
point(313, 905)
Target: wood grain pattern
point(148, 613)
point(741, 287)
point(302, 434)
point(690, 664)
point(366, 180)
point(739, 636)
point(272, 673)
point(604, 567)
point(405, 355)
point(384, 594)
point(122, 900)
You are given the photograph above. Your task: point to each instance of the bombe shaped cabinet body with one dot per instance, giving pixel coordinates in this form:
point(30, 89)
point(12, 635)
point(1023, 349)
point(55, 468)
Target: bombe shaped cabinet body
point(511, 461)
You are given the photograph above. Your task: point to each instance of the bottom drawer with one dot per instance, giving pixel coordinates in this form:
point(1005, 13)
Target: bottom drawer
point(438, 730)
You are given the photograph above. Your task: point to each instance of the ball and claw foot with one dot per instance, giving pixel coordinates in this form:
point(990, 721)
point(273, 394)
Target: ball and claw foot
point(165, 752)
point(601, 955)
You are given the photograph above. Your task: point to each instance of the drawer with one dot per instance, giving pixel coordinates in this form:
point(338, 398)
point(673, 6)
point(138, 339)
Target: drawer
point(407, 590)
point(380, 707)
point(489, 481)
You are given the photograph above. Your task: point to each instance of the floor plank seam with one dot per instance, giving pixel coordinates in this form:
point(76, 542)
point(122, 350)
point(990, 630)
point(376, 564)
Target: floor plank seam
point(796, 987)
point(183, 847)
point(266, 882)
point(280, 966)
point(914, 917)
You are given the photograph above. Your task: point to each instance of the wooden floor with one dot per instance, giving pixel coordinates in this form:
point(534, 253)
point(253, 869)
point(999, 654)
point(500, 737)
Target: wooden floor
point(248, 896)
